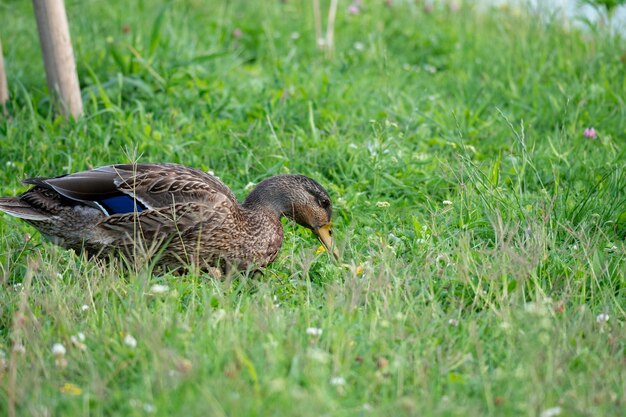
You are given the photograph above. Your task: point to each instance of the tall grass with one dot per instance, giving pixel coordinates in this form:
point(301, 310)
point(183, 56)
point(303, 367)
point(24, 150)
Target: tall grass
point(482, 234)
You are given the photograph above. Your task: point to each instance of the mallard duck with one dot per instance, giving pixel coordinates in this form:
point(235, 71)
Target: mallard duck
point(172, 215)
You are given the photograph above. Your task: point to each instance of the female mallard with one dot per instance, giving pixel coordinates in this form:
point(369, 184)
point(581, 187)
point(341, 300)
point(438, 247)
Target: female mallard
point(177, 215)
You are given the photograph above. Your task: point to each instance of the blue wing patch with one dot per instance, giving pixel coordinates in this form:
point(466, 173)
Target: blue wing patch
point(121, 204)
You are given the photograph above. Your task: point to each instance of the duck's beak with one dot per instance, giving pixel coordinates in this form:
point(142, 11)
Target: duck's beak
point(324, 234)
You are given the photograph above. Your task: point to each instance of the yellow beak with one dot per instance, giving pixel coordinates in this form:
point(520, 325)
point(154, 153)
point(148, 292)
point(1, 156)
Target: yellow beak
point(324, 234)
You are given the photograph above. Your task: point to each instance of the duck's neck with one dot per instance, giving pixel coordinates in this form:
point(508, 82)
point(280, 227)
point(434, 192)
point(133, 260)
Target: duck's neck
point(268, 198)
point(262, 210)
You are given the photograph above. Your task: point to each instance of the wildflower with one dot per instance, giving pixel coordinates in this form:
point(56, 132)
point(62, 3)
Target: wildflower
point(159, 289)
point(321, 249)
point(453, 322)
point(237, 33)
point(354, 9)
point(358, 270)
point(314, 331)
point(602, 318)
point(447, 202)
point(590, 133)
point(149, 408)
point(382, 204)
point(318, 355)
point(130, 341)
point(71, 389)
point(359, 46)
point(551, 412)
point(431, 69)
point(58, 349)
point(77, 340)
point(337, 381)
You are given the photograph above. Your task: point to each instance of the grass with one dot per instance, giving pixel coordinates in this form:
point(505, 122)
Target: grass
point(490, 305)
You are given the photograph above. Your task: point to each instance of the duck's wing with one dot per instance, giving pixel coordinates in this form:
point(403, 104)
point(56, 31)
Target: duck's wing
point(118, 189)
point(158, 225)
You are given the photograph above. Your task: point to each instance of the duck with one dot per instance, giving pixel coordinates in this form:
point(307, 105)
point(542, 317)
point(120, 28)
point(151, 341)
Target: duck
point(171, 216)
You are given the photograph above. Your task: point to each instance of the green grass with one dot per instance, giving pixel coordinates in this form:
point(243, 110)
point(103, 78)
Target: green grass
point(486, 306)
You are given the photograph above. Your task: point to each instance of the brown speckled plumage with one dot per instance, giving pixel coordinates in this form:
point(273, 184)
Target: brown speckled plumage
point(172, 214)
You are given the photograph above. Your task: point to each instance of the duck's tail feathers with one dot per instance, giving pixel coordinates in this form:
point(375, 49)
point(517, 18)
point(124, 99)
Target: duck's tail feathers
point(21, 209)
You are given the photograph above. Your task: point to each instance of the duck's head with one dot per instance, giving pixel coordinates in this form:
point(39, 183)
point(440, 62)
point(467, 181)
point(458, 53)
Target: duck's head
point(300, 199)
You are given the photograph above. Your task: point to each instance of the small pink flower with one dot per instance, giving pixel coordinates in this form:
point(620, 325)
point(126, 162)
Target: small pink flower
point(354, 9)
point(237, 33)
point(590, 133)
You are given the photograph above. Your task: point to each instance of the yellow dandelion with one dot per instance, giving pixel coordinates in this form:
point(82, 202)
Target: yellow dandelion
point(71, 389)
point(321, 249)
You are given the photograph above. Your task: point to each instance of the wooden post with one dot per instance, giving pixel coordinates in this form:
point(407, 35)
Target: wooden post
point(4, 88)
point(58, 56)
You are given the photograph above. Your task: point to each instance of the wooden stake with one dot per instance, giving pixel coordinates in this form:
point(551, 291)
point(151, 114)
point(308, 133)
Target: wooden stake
point(54, 35)
point(4, 88)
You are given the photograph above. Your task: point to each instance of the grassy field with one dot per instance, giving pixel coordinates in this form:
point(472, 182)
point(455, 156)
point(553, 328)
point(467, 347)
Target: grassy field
point(482, 234)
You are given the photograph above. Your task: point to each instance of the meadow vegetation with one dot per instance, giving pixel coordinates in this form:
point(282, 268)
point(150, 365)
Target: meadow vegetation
point(481, 231)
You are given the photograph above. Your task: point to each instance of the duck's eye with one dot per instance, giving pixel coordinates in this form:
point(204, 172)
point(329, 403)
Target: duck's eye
point(330, 232)
point(325, 203)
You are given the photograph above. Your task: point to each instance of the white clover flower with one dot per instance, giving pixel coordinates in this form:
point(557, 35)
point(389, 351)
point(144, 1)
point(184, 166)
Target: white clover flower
point(431, 69)
point(359, 46)
point(314, 331)
point(453, 322)
point(318, 355)
point(159, 289)
point(551, 412)
point(447, 202)
point(602, 318)
point(84, 307)
point(58, 349)
point(382, 204)
point(337, 381)
point(130, 341)
point(77, 340)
